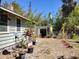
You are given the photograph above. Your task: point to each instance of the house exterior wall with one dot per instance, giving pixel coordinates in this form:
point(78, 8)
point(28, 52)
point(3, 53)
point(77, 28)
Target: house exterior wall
point(8, 38)
point(12, 24)
point(23, 25)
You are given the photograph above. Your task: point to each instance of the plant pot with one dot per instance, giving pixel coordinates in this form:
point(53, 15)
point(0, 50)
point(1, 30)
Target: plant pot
point(5, 52)
point(60, 57)
point(34, 42)
point(21, 56)
point(18, 46)
point(30, 50)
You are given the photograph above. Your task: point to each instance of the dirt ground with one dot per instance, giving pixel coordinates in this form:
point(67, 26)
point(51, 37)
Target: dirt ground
point(51, 49)
point(48, 48)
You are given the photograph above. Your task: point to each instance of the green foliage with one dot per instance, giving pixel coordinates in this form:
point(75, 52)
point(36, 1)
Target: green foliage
point(15, 5)
point(23, 43)
point(29, 24)
point(73, 20)
point(67, 1)
point(38, 18)
point(67, 7)
point(63, 30)
point(17, 8)
point(50, 18)
point(76, 11)
point(75, 37)
point(44, 23)
point(58, 24)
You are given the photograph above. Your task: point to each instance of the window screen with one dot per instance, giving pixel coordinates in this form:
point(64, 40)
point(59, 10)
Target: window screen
point(18, 24)
point(3, 23)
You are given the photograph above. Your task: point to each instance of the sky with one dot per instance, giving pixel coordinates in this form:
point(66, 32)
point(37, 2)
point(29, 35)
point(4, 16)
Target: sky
point(44, 6)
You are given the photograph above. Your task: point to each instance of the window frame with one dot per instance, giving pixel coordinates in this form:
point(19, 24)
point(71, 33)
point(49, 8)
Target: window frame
point(19, 25)
point(7, 27)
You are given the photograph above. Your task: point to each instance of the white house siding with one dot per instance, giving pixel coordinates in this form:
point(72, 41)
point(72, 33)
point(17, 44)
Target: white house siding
point(7, 39)
point(12, 24)
point(23, 25)
point(22, 28)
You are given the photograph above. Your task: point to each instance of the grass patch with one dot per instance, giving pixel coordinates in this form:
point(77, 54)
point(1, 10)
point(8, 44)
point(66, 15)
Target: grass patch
point(76, 40)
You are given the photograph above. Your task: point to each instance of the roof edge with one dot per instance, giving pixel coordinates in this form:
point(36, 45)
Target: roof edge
point(9, 11)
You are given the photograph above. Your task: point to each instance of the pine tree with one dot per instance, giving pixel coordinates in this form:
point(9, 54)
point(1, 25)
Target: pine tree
point(67, 7)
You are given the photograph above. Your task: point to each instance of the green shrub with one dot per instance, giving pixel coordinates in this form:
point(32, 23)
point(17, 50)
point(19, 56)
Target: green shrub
point(75, 37)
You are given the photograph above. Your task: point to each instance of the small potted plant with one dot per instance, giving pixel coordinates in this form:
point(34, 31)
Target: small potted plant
point(34, 40)
point(30, 48)
point(20, 55)
point(22, 44)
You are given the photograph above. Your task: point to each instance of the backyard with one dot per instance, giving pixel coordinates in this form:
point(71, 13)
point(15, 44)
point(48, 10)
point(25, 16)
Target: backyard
point(31, 29)
point(49, 49)
point(52, 49)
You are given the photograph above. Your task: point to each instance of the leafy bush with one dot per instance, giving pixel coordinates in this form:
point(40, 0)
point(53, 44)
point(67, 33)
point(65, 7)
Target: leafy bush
point(75, 37)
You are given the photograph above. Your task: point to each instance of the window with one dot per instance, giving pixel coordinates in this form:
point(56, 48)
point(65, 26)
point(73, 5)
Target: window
point(18, 24)
point(3, 23)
